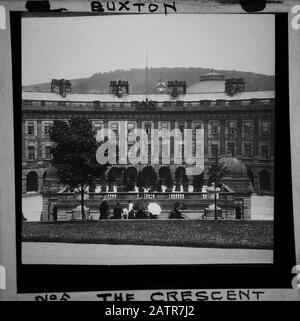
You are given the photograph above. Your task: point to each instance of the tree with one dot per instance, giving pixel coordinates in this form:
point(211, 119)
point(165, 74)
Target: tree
point(150, 177)
point(140, 180)
point(198, 182)
point(130, 179)
point(168, 181)
point(166, 177)
point(216, 172)
point(185, 183)
point(74, 155)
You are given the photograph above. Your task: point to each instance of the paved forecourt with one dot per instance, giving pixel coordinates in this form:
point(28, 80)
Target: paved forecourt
point(106, 254)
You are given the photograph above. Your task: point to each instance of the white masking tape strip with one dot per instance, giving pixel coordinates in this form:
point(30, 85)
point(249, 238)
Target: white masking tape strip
point(2, 18)
point(2, 278)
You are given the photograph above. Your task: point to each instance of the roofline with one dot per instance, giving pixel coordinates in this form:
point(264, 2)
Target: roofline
point(132, 94)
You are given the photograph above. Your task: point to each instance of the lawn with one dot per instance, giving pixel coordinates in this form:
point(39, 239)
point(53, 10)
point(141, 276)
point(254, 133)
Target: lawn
point(216, 234)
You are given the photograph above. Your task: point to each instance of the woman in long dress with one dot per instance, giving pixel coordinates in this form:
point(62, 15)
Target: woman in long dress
point(104, 211)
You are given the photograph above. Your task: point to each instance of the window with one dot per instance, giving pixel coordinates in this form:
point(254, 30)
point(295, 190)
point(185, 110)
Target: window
point(61, 103)
point(130, 126)
point(30, 129)
point(131, 151)
point(214, 150)
point(164, 125)
point(47, 152)
point(96, 103)
point(31, 153)
point(46, 129)
point(148, 128)
point(97, 126)
point(265, 151)
point(248, 127)
point(27, 102)
point(231, 148)
point(231, 127)
point(246, 102)
point(130, 131)
point(114, 128)
point(134, 104)
point(265, 127)
point(214, 128)
point(181, 127)
point(248, 151)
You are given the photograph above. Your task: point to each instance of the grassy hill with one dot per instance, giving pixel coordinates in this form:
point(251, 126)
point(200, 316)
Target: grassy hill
point(99, 82)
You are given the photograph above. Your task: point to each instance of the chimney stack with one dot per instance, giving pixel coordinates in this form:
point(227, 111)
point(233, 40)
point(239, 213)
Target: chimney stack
point(176, 88)
point(234, 86)
point(61, 86)
point(119, 88)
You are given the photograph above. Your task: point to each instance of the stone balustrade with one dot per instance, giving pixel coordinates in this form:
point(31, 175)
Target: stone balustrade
point(195, 203)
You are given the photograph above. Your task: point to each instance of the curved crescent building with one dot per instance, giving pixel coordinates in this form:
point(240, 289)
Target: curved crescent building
point(235, 122)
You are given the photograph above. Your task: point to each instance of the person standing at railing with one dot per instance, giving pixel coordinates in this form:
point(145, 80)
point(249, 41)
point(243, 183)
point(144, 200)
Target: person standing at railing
point(104, 211)
point(130, 209)
point(117, 212)
point(175, 213)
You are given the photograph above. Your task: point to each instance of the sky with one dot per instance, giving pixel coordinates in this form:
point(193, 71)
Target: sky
point(78, 47)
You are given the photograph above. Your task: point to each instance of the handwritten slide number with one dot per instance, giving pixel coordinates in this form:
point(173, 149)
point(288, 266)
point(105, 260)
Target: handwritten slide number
point(296, 278)
point(52, 297)
point(296, 18)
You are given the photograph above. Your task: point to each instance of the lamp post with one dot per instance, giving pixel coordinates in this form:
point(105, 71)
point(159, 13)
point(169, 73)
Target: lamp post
point(216, 183)
point(216, 166)
point(216, 216)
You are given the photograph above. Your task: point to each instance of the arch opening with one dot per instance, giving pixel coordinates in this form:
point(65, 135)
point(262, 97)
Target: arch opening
point(264, 181)
point(32, 182)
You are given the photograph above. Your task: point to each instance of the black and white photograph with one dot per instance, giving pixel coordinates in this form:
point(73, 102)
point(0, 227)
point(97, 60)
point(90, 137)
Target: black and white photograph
point(148, 140)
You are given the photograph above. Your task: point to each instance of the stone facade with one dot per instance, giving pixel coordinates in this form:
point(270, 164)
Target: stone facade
point(240, 124)
point(245, 131)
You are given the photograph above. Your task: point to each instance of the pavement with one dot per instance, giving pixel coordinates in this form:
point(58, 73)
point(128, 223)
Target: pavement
point(106, 254)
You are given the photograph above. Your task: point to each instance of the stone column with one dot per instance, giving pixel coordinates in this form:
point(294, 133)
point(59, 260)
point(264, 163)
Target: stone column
point(272, 178)
point(188, 126)
point(239, 125)
point(23, 182)
point(40, 181)
point(172, 126)
point(39, 140)
point(23, 140)
point(272, 137)
point(255, 138)
point(205, 139)
point(222, 137)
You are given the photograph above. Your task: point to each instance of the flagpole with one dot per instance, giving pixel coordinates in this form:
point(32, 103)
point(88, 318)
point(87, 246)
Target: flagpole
point(146, 75)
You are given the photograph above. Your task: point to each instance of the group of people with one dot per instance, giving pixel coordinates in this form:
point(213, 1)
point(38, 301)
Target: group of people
point(105, 213)
point(118, 211)
point(131, 213)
